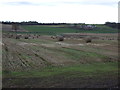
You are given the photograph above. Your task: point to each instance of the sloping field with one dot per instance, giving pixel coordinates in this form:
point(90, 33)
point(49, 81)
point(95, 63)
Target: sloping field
point(58, 29)
point(6, 27)
point(110, 36)
point(46, 62)
point(49, 29)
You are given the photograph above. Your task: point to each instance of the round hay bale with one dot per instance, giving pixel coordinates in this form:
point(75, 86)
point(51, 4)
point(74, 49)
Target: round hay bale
point(60, 38)
point(26, 37)
point(37, 36)
point(53, 37)
point(29, 35)
point(17, 37)
point(88, 39)
point(10, 36)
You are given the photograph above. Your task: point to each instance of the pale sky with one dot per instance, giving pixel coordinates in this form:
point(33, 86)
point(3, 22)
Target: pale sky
point(60, 11)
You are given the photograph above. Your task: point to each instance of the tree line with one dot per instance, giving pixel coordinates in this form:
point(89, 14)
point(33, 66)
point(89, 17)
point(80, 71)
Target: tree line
point(110, 24)
point(31, 23)
point(113, 24)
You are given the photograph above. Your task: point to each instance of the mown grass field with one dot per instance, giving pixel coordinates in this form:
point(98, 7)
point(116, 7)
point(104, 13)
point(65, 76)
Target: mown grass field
point(44, 62)
point(95, 75)
point(47, 63)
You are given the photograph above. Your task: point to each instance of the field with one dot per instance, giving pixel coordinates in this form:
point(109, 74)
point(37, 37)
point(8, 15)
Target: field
point(58, 29)
point(42, 61)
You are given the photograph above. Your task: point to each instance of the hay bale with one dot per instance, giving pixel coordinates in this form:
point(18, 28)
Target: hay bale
point(26, 37)
point(37, 36)
point(53, 37)
point(29, 35)
point(88, 39)
point(17, 37)
point(60, 38)
point(10, 36)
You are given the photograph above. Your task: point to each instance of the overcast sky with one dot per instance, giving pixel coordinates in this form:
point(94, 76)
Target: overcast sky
point(60, 11)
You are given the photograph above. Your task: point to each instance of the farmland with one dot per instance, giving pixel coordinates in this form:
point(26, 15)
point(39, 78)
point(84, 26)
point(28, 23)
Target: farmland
point(58, 29)
point(42, 61)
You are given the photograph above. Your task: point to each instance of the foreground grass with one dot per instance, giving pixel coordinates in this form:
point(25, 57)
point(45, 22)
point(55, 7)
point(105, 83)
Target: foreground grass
point(95, 75)
point(81, 70)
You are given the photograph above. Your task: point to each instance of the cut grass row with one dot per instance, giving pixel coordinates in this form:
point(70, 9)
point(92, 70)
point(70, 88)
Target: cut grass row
point(68, 52)
point(78, 55)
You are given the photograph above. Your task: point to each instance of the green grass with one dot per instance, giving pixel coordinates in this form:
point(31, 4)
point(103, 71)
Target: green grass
point(50, 30)
point(81, 69)
point(74, 54)
point(58, 29)
point(79, 53)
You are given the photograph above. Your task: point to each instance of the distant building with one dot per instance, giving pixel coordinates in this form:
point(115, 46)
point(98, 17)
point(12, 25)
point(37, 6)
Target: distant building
point(82, 26)
point(87, 27)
